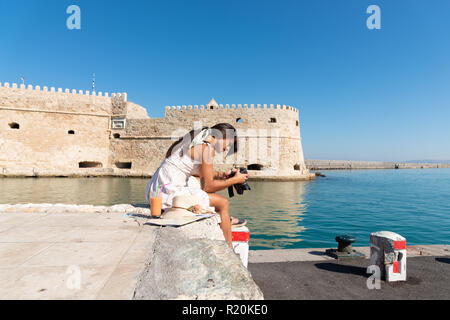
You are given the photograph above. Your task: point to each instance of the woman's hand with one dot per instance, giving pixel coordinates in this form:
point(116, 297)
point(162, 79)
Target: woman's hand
point(239, 178)
point(208, 181)
point(230, 172)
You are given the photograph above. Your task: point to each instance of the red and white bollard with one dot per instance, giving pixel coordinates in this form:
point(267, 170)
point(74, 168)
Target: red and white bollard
point(388, 251)
point(240, 238)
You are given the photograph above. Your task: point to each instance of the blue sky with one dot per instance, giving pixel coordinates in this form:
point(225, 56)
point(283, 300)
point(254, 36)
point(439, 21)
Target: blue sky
point(363, 94)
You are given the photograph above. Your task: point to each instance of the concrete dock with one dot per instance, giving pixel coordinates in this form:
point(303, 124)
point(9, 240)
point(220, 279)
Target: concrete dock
point(309, 274)
point(70, 255)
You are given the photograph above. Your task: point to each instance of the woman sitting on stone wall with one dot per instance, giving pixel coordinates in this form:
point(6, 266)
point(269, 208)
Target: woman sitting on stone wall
point(188, 170)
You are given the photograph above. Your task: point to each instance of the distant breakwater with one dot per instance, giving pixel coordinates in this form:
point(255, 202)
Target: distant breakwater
point(350, 165)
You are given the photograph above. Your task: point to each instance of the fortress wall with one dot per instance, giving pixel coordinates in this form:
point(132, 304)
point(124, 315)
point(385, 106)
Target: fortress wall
point(156, 127)
point(252, 116)
point(145, 155)
point(135, 111)
point(45, 117)
point(256, 128)
point(144, 142)
point(42, 140)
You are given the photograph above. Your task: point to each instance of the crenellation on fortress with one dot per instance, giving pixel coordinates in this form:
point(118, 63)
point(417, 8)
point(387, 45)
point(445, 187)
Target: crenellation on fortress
point(53, 99)
point(38, 88)
point(248, 107)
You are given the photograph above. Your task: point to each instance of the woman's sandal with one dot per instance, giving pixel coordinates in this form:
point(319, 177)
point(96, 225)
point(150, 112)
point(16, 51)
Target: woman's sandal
point(240, 223)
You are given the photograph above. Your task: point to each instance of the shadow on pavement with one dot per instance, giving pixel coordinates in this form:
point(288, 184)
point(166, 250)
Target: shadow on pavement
point(333, 267)
point(443, 260)
point(317, 253)
point(141, 205)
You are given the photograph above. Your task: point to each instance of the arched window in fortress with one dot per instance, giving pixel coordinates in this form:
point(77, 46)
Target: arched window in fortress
point(296, 123)
point(239, 120)
point(273, 120)
point(297, 167)
point(116, 136)
point(70, 132)
point(14, 125)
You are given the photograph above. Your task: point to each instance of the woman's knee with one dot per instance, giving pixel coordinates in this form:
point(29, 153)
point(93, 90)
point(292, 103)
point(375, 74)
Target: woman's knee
point(225, 203)
point(219, 201)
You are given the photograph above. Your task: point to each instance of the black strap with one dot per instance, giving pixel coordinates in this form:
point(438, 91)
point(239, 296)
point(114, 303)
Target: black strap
point(230, 192)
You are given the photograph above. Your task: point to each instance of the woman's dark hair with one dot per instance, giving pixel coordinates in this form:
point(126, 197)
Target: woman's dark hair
point(220, 131)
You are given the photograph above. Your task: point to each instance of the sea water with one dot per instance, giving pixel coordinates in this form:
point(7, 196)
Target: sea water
point(288, 215)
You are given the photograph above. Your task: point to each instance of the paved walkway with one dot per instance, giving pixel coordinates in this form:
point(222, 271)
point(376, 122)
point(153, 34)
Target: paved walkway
point(71, 255)
point(308, 274)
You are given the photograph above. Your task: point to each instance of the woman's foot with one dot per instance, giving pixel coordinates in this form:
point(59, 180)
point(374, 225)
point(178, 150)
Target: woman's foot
point(238, 222)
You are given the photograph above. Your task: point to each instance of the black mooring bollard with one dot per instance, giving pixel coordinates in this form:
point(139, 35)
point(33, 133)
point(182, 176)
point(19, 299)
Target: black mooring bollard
point(345, 243)
point(345, 249)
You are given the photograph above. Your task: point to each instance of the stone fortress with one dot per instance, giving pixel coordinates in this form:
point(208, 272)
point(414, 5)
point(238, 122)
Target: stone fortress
point(49, 132)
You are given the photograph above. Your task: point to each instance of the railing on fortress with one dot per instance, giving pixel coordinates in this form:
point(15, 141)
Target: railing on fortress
point(235, 107)
point(60, 90)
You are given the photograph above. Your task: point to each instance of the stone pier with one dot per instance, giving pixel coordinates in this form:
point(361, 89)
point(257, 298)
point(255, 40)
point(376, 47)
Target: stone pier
point(91, 252)
point(355, 165)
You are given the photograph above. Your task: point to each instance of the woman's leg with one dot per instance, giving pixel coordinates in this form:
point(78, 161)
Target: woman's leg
point(233, 219)
point(222, 207)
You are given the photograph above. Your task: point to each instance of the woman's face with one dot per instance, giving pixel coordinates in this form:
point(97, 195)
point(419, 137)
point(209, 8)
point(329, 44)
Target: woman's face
point(223, 145)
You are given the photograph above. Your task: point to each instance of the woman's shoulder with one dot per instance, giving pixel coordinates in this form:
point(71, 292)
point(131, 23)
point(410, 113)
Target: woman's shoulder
point(200, 151)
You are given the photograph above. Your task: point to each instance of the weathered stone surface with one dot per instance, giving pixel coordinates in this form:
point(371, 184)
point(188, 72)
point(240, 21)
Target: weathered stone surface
point(194, 269)
point(205, 229)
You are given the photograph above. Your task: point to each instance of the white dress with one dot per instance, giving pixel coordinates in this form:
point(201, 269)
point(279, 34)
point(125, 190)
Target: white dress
point(178, 172)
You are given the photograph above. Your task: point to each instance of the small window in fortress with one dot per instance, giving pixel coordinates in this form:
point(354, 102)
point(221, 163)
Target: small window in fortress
point(116, 136)
point(90, 164)
point(123, 165)
point(257, 167)
point(273, 120)
point(70, 132)
point(239, 120)
point(297, 167)
point(296, 123)
point(14, 125)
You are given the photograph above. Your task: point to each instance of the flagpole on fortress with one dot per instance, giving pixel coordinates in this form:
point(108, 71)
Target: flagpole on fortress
point(93, 88)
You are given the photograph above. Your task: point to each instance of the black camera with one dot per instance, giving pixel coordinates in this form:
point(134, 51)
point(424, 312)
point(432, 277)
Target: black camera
point(240, 187)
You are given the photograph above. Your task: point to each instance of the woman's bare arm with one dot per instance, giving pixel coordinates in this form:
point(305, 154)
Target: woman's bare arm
point(220, 175)
point(207, 173)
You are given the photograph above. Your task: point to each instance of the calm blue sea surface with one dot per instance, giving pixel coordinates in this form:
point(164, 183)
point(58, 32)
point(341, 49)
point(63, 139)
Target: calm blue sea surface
point(287, 215)
point(413, 203)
